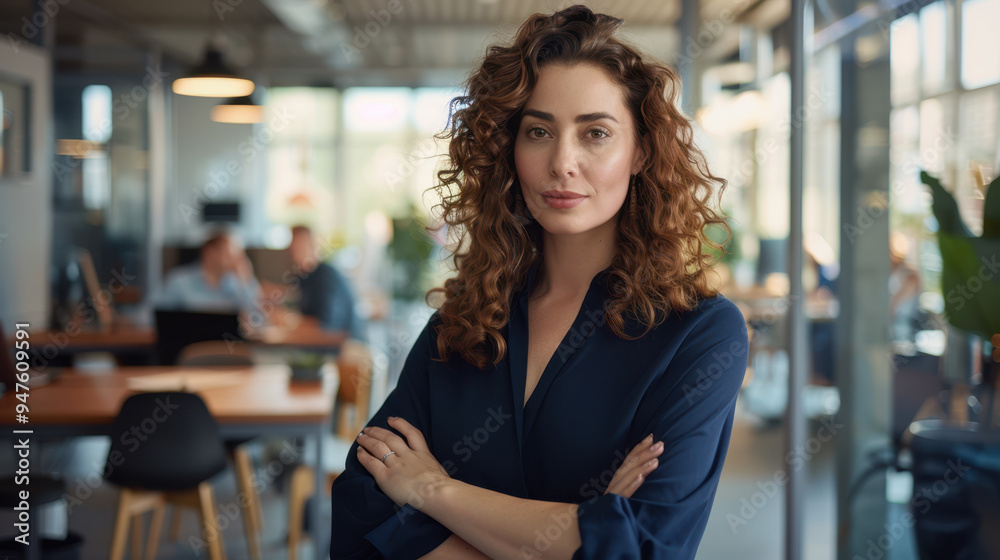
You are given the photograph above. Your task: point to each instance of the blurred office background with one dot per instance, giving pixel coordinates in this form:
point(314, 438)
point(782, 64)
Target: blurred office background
point(104, 165)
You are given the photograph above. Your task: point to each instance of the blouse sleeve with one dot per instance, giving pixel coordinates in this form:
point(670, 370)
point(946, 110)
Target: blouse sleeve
point(692, 413)
point(366, 523)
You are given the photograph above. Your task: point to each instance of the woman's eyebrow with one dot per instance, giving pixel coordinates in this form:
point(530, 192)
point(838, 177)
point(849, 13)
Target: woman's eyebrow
point(588, 117)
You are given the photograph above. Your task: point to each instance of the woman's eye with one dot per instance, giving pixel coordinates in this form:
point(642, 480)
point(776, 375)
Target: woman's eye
point(536, 132)
point(598, 134)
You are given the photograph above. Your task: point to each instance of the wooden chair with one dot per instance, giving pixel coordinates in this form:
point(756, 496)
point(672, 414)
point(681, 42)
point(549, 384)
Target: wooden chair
point(171, 466)
point(222, 353)
point(355, 365)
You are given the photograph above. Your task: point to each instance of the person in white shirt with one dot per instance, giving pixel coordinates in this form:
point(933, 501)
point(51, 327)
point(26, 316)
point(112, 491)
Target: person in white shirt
point(221, 280)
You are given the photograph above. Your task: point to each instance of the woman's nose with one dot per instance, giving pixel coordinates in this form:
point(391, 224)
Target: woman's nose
point(565, 159)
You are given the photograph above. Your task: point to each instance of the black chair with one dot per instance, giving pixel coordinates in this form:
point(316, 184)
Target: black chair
point(177, 329)
point(181, 451)
point(8, 372)
point(217, 353)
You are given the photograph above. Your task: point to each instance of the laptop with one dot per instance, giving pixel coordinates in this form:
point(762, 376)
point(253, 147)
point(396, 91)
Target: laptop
point(177, 329)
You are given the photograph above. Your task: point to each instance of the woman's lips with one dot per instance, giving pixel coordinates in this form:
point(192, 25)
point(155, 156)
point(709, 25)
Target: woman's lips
point(563, 202)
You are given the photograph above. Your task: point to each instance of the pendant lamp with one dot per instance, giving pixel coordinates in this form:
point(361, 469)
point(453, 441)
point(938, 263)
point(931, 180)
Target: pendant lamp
point(238, 110)
point(212, 78)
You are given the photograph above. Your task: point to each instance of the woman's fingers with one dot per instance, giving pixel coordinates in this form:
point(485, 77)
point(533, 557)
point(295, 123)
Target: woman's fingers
point(370, 463)
point(641, 461)
point(390, 438)
point(414, 438)
point(376, 446)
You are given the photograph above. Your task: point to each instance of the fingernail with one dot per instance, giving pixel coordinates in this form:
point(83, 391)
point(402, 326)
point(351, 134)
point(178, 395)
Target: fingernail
point(392, 418)
point(651, 462)
point(658, 446)
point(649, 437)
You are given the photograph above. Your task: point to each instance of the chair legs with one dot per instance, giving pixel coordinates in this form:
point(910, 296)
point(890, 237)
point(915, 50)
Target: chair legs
point(302, 486)
point(206, 501)
point(137, 537)
point(154, 531)
point(133, 503)
point(249, 500)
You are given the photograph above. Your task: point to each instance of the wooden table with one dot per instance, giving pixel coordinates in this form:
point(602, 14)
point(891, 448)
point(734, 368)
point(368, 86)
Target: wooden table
point(246, 402)
point(143, 339)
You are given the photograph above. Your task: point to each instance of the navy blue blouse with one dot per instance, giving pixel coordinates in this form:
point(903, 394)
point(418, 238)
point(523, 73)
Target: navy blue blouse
point(598, 396)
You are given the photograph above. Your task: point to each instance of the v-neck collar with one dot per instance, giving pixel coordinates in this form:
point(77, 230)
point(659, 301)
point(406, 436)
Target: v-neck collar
point(525, 413)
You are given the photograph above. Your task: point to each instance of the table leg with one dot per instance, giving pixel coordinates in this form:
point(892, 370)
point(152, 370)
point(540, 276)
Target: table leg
point(35, 546)
point(319, 528)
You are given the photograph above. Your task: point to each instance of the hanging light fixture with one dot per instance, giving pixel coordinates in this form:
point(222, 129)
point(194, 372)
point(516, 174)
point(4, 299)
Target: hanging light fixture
point(212, 78)
point(238, 110)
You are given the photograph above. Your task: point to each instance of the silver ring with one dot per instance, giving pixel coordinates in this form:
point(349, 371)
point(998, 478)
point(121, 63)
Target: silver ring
point(387, 454)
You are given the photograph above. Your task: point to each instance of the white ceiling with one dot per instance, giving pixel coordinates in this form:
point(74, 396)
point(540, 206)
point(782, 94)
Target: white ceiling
point(282, 42)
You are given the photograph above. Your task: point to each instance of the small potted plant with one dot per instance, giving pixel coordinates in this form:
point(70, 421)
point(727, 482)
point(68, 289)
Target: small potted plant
point(307, 366)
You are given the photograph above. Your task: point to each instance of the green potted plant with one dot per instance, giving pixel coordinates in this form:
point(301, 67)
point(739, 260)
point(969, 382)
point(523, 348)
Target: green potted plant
point(956, 463)
point(306, 366)
point(410, 249)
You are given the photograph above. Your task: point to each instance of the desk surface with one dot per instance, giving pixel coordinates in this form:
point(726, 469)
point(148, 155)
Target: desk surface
point(140, 338)
point(261, 395)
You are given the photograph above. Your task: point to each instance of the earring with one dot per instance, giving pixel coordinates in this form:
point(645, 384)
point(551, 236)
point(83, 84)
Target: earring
point(633, 205)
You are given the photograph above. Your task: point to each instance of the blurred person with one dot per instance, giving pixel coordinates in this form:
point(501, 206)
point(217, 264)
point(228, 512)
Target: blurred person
point(823, 269)
point(222, 279)
point(580, 374)
point(325, 295)
point(905, 288)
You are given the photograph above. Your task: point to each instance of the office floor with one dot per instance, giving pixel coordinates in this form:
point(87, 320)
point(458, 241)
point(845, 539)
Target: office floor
point(746, 520)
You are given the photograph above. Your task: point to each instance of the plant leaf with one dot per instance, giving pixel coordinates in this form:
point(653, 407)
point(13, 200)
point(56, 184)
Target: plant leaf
point(970, 282)
point(991, 211)
point(945, 208)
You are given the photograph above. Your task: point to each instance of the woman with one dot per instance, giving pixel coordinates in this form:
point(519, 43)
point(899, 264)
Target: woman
point(582, 203)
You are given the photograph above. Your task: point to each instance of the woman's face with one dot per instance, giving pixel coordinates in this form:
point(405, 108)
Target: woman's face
point(575, 149)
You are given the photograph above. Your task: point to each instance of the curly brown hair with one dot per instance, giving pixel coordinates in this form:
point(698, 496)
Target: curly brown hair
point(660, 264)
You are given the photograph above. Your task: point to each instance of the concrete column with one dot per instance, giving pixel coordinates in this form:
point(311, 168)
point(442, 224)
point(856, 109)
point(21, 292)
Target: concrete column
point(863, 371)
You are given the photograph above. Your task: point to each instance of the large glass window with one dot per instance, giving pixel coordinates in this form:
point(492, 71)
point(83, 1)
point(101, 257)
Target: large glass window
point(980, 43)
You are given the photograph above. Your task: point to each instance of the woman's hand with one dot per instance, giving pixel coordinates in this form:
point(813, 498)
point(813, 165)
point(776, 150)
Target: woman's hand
point(641, 461)
point(411, 474)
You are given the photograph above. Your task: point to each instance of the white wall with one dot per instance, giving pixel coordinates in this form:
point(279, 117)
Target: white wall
point(25, 202)
point(210, 162)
